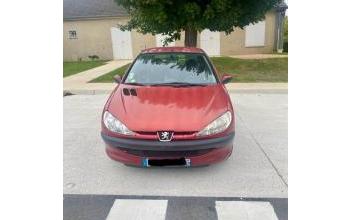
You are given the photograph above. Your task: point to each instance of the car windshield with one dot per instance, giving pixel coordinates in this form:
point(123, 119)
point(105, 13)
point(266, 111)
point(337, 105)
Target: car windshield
point(172, 69)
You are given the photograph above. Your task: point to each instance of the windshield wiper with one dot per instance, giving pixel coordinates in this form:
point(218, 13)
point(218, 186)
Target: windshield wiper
point(135, 84)
point(177, 84)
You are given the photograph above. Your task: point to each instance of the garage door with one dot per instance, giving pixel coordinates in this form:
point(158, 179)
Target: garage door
point(255, 34)
point(121, 44)
point(210, 42)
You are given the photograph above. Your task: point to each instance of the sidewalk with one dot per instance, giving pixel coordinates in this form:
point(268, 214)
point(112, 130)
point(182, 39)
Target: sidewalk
point(259, 56)
point(257, 87)
point(80, 80)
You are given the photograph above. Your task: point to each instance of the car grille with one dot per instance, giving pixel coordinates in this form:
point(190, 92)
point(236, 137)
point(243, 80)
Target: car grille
point(177, 135)
point(150, 153)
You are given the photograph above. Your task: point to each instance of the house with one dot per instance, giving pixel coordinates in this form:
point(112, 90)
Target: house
point(91, 27)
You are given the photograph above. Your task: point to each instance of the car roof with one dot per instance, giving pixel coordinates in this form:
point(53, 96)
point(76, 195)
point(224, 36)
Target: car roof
point(173, 49)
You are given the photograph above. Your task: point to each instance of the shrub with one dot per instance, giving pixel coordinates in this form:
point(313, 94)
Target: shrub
point(93, 57)
point(286, 46)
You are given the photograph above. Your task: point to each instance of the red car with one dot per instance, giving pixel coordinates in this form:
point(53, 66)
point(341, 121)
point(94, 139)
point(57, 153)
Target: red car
point(171, 108)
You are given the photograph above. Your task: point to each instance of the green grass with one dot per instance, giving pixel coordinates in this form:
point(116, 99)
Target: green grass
point(253, 70)
point(243, 70)
point(71, 68)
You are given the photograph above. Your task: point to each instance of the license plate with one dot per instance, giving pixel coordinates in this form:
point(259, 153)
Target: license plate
point(146, 162)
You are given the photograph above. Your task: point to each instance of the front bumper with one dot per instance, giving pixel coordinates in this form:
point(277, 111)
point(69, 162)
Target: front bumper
point(200, 152)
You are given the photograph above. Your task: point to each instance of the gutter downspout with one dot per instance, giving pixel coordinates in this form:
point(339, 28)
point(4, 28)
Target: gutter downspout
point(279, 30)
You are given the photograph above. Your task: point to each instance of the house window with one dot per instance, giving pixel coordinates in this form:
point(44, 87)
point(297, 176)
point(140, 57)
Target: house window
point(72, 34)
point(255, 35)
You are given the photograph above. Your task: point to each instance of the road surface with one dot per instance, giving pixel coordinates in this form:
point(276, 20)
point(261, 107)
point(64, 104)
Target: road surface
point(253, 182)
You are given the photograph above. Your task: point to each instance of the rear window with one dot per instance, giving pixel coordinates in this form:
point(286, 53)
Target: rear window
point(171, 68)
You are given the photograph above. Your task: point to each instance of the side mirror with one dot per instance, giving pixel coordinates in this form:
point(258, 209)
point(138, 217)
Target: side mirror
point(226, 78)
point(117, 78)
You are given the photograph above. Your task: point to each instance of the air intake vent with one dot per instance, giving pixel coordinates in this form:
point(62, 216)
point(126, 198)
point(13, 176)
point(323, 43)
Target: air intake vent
point(126, 91)
point(133, 92)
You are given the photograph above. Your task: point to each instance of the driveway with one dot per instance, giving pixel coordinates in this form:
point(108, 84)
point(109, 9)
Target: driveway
point(256, 171)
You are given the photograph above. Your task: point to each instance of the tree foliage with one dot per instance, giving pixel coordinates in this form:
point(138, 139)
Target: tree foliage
point(170, 17)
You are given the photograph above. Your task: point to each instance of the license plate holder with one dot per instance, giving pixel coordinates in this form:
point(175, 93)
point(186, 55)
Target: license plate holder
point(146, 162)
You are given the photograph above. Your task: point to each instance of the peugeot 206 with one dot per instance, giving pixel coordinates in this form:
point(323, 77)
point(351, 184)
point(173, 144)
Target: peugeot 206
point(171, 108)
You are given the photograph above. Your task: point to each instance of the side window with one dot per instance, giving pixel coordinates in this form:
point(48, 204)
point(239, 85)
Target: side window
point(72, 35)
point(255, 35)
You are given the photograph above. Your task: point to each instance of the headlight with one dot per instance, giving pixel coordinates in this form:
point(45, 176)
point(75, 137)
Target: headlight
point(218, 125)
point(115, 125)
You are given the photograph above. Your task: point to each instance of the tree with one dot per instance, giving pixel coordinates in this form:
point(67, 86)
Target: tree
point(170, 17)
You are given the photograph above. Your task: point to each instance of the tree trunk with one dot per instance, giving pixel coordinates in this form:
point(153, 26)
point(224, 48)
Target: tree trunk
point(190, 37)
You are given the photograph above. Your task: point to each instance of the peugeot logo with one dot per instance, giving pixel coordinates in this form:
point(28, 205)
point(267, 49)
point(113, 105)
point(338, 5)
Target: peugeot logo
point(165, 135)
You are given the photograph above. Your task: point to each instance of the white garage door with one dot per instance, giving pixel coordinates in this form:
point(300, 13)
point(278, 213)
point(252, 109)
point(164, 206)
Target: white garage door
point(255, 34)
point(121, 44)
point(159, 41)
point(210, 42)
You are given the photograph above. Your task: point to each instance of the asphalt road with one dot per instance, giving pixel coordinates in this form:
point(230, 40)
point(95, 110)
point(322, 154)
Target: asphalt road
point(256, 171)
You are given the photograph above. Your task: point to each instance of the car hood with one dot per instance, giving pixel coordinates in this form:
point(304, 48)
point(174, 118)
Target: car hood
point(169, 108)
